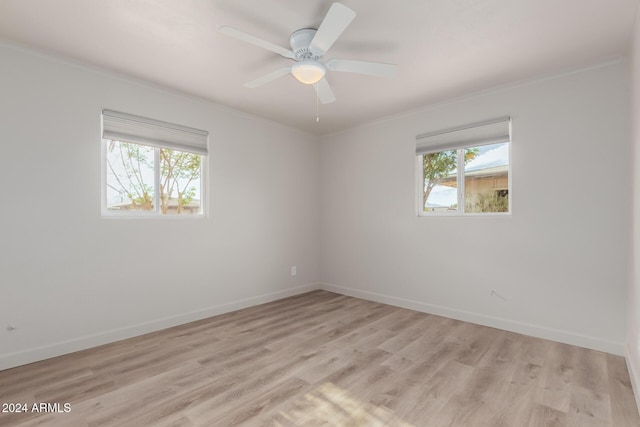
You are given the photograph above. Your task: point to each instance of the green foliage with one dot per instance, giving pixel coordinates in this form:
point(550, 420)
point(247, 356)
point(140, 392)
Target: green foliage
point(129, 162)
point(490, 201)
point(437, 166)
point(178, 170)
point(132, 166)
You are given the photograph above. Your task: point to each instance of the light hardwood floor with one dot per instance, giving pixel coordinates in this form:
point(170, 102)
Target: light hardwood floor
point(327, 359)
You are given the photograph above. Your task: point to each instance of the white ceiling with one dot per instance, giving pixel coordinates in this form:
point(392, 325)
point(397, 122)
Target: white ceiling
point(443, 48)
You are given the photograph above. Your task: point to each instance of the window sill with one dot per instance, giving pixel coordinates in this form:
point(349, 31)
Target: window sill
point(126, 216)
point(463, 215)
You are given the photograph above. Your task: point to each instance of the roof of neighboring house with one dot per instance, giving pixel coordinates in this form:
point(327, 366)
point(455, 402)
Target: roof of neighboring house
point(477, 173)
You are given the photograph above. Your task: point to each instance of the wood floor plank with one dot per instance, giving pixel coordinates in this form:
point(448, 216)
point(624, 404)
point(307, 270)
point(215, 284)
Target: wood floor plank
point(554, 390)
point(425, 399)
point(408, 335)
point(475, 348)
point(591, 372)
point(623, 408)
point(589, 404)
point(321, 359)
point(431, 338)
point(544, 416)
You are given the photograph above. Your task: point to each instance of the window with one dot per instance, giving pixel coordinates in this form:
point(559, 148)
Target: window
point(151, 168)
point(465, 170)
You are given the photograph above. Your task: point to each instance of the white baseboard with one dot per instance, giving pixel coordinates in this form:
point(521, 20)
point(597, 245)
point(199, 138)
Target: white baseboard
point(633, 366)
point(12, 360)
point(567, 337)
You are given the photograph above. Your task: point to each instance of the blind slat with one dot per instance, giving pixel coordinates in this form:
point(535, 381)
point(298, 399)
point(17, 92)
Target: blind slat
point(142, 130)
point(489, 132)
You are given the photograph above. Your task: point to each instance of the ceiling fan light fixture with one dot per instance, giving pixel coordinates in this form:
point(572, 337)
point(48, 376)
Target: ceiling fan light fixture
point(308, 72)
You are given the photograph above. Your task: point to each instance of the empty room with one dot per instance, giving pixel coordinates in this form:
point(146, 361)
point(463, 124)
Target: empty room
point(299, 213)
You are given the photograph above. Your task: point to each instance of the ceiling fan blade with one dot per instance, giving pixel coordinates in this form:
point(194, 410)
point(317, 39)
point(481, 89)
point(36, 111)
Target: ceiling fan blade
point(248, 38)
point(334, 23)
point(324, 91)
point(378, 69)
point(268, 77)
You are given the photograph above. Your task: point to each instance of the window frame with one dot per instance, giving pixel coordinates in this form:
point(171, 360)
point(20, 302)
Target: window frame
point(460, 212)
point(156, 213)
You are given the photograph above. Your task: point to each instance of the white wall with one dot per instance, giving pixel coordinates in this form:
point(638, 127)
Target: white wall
point(560, 259)
point(341, 209)
point(633, 322)
point(70, 279)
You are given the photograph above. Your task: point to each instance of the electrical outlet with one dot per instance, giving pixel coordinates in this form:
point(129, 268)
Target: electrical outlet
point(294, 270)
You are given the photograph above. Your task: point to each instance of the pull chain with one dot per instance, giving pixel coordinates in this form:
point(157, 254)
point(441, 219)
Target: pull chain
point(317, 104)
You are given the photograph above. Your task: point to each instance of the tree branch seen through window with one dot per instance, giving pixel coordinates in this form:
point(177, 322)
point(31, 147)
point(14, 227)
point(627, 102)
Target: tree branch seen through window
point(132, 176)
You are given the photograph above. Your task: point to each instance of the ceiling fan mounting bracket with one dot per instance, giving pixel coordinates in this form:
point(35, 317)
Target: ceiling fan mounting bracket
point(300, 41)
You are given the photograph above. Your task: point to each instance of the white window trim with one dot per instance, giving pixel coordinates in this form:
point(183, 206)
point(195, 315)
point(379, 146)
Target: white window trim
point(419, 181)
point(110, 214)
point(155, 134)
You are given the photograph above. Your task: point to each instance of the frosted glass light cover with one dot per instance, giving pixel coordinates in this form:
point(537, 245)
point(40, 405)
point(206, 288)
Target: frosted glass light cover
point(308, 72)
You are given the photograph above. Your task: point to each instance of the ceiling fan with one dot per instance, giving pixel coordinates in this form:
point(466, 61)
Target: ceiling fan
point(308, 47)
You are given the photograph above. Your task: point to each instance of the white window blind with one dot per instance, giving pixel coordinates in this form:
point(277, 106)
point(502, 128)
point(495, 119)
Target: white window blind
point(488, 132)
point(142, 130)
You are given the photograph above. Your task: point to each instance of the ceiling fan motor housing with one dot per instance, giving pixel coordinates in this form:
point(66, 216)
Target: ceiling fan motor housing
point(300, 41)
